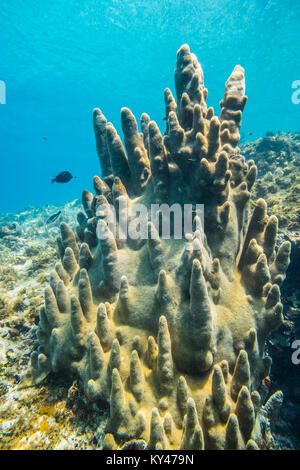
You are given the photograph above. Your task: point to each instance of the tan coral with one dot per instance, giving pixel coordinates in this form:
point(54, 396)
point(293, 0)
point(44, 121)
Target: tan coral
point(170, 332)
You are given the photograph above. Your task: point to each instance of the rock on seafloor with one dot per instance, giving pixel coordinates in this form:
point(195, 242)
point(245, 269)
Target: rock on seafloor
point(52, 415)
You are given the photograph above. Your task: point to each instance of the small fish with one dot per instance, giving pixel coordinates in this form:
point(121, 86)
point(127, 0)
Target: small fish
point(250, 133)
point(53, 217)
point(63, 177)
point(45, 138)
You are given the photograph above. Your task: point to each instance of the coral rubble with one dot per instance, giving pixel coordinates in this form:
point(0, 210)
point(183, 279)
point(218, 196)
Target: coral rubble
point(12, 229)
point(170, 332)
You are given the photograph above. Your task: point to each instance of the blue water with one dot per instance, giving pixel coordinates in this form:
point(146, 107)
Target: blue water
point(61, 58)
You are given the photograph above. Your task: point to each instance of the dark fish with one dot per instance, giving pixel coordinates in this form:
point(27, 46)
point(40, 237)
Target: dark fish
point(63, 177)
point(250, 133)
point(53, 217)
point(45, 138)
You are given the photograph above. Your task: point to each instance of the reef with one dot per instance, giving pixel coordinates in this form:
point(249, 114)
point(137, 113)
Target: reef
point(54, 414)
point(277, 156)
point(12, 229)
point(170, 333)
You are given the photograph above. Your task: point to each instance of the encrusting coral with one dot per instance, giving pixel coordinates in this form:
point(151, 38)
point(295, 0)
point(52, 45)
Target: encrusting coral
point(170, 332)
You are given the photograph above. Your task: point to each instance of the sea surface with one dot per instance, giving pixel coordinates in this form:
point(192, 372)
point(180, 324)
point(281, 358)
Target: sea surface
point(62, 58)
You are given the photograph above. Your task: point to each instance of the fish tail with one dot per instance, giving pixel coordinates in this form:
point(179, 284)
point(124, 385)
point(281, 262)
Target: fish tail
point(52, 180)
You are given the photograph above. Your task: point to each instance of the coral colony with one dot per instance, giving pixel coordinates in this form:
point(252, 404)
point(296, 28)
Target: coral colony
point(170, 332)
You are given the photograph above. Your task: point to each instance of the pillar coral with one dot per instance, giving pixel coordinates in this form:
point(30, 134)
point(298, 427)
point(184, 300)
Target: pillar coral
point(170, 332)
